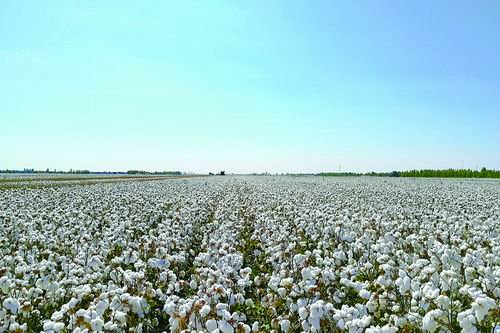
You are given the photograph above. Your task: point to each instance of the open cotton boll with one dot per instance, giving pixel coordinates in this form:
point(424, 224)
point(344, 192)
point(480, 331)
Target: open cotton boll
point(429, 321)
point(364, 294)
point(205, 310)
point(316, 310)
point(287, 282)
point(307, 274)
point(285, 325)
point(5, 284)
point(11, 304)
point(225, 327)
point(443, 301)
point(303, 313)
point(97, 324)
point(481, 306)
point(211, 325)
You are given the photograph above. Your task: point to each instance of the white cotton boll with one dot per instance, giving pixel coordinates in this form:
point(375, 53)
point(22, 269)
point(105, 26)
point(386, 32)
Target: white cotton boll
point(110, 326)
point(315, 324)
point(405, 285)
point(363, 293)
point(48, 326)
point(274, 283)
point(388, 329)
point(306, 274)
point(305, 325)
point(316, 311)
point(365, 321)
point(121, 317)
point(303, 313)
point(205, 310)
point(97, 324)
point(467, 321)
point(56, 316)
point(255, 326)
point(282, 292)
point(257, 281)
point(193, 284)
point(431, 293)
point(224, 314)
point(225, 327)
point(329, 307)
point(481, 307)
point(371, 306)
point(11, 304)
point(211, 325)
point(58, 327)
point(101, 307)
point(72, 303)
point(285, 325)
point(169, 308)
point(5, 284)
point(443, 301)
point(299, 259)
point(428, 322)
point(287, 282)
point(301, 302)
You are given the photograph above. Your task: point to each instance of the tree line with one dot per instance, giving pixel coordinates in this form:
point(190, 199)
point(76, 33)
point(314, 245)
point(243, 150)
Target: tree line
point(431, 173)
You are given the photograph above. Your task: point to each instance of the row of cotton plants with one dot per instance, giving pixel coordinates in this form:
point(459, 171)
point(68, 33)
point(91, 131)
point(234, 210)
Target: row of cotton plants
point(252, 254)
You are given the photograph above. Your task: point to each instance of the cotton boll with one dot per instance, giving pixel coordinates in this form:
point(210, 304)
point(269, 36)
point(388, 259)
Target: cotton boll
point(306, 274)
point(428, 323)
point(443, 301)
point(467, 321)
point(481, 307)
point(303, 313)
point(305, 325)
point(205, 310)
point(110, 326)
point(101, 307)
point(286, 283)
point(316, 311)
point(5, 284)
point(11, 304)
point(193, 284)
point(282, 292)
point(315, 324)
point(363, 293)
point(285, 325)
point(225, 327)
point(58, 326)
point(211, 325)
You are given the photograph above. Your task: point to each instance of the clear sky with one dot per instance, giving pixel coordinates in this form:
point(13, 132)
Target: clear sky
point(279, 86)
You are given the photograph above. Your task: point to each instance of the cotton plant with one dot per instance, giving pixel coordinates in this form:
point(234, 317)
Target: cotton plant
point(251, 254)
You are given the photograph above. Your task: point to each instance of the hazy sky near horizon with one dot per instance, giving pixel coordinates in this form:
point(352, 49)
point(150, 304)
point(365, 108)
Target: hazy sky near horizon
point(279, 86)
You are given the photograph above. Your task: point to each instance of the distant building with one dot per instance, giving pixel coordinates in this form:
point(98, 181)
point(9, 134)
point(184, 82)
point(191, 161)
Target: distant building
point(222, 173)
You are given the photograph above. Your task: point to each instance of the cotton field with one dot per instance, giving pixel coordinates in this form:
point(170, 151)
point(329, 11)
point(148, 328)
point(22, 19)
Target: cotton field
point(252, 254)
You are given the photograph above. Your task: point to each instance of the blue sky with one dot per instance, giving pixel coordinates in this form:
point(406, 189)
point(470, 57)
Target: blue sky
point(279, 86)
